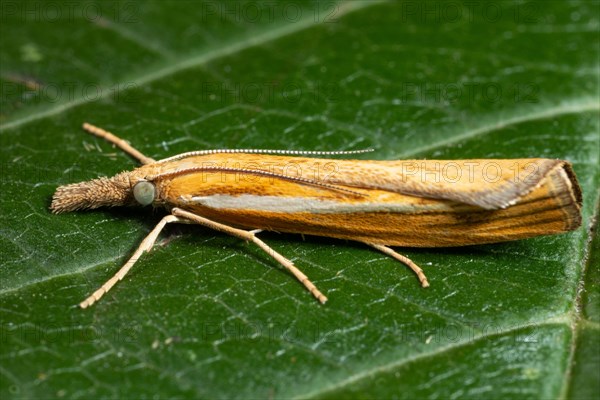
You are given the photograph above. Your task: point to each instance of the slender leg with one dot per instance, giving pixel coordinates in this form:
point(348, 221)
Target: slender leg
point(249, 235)
point(117, 141)
point(146, 245)
point(404, 260)
point(185, 217)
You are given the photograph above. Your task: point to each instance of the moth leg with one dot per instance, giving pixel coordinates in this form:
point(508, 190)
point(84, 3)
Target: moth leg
point(146, 245)
point(117, 141)
point(250, 236)
point(404, 260)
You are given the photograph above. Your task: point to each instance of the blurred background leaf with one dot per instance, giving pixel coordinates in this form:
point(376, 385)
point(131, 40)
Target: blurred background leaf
point(210, 316)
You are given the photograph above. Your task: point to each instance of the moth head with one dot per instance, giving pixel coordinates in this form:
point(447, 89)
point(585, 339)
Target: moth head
point(102, 192)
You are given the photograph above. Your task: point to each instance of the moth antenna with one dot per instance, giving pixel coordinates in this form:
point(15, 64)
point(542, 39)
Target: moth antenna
point(117, 141)
point(264, 151)
point(257, 172)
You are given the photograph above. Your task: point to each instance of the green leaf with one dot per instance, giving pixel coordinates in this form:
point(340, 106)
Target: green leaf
point(206, 315)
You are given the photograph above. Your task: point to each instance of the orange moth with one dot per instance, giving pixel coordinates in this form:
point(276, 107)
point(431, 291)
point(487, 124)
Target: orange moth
point(414, 203)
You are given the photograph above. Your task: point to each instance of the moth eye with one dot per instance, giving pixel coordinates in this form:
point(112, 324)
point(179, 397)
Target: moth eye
point(144, 192)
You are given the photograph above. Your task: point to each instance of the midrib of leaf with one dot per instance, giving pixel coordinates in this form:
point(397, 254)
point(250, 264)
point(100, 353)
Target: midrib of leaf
point(577, 320)
point(242, 43)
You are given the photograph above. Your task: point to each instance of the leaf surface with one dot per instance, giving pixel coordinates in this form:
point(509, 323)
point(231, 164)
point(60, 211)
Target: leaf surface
point(205, 315)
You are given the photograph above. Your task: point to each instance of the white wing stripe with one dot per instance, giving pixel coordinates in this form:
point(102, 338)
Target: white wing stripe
point(302, 204)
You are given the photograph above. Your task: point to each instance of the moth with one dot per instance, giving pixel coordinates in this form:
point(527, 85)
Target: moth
point(409, 203)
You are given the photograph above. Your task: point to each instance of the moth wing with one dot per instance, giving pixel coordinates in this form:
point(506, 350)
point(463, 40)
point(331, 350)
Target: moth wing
point(486, 183)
